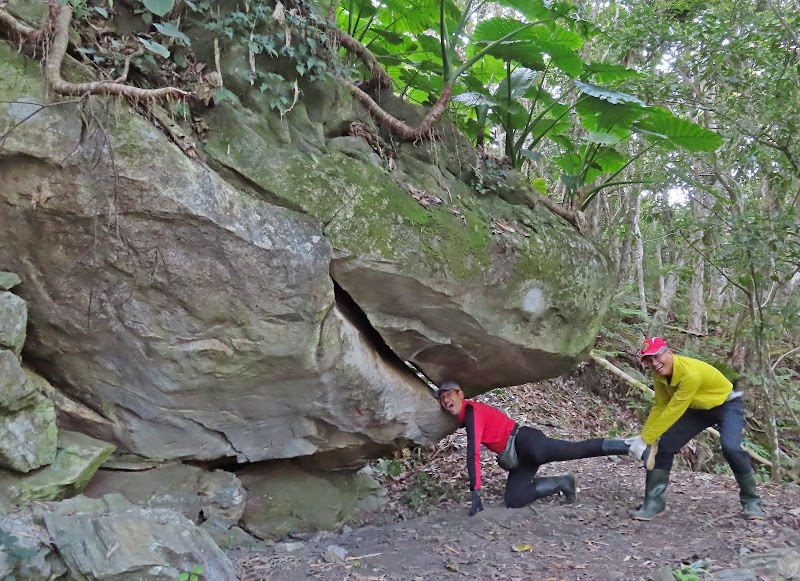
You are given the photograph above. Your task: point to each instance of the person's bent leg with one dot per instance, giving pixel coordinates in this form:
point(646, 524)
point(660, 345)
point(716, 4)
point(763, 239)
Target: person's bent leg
point(687, 427)
point(731, 425)
point(523, 487)
point(691, 423)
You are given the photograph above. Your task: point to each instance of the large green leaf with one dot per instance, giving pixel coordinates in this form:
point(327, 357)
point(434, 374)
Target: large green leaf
point(534, 10)
point(496, 28)
point(609, 95)
point(606, 72)
point(520, 81)
point(473, 99)
point(681, 132)
point(159, 7)
point(604, 116)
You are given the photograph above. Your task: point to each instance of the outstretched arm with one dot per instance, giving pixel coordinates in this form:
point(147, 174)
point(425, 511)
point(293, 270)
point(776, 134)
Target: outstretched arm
point(473, 459)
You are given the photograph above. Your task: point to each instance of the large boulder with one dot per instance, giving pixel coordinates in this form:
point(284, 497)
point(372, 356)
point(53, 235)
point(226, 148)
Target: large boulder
point(265, 307)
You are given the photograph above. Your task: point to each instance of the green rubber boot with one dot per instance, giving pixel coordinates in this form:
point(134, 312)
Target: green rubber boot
point(751, 502)
point(654, 489)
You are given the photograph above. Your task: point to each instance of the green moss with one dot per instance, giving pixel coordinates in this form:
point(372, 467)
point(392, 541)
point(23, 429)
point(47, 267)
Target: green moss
point(19, 76)
point(363, 211)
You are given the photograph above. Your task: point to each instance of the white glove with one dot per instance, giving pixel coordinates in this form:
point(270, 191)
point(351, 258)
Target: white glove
point(637, 447)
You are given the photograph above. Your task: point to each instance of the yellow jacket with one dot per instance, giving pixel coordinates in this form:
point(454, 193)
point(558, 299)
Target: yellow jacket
point(694, 384)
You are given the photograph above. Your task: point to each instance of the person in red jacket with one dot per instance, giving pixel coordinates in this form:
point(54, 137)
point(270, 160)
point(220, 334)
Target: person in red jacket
point(521, 450)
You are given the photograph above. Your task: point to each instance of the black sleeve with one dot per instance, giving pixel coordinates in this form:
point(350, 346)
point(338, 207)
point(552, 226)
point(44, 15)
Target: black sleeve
point(469, 424)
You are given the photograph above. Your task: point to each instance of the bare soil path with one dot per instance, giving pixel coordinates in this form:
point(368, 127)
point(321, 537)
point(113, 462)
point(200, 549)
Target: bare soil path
point(594, 538)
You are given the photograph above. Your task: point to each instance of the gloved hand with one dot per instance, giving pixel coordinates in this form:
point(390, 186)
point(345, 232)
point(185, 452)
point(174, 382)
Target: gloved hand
point(637, 447)
point(477, 505)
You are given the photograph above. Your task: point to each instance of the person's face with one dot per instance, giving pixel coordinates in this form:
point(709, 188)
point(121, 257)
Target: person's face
point(451, 401)
point(660, 363)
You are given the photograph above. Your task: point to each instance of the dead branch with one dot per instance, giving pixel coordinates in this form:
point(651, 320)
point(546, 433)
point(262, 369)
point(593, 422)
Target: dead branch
point(62, 16)
point(605, 364)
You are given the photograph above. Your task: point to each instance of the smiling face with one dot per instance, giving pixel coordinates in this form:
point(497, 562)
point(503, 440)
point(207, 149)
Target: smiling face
point(660, 363)
point(451, 401)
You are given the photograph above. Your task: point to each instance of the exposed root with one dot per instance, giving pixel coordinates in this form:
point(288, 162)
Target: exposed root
point(62, 16)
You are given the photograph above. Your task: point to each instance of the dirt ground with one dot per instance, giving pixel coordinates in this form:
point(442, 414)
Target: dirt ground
point(701, 533)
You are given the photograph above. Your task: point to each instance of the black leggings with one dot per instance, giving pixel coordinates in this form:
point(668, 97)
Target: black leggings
point(533, 450)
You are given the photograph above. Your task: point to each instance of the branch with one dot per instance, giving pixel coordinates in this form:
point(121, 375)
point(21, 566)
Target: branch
point(62, 18)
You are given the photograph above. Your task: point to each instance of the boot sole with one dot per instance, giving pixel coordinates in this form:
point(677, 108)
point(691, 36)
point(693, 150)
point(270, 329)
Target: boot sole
point(646, 518)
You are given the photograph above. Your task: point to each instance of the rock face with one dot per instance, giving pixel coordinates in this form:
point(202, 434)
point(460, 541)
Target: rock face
point(114, 539)
point(262, 306)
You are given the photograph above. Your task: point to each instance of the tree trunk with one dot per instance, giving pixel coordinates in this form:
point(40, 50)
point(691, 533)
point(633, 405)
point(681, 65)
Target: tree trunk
point(696, 315)
point(639, 255)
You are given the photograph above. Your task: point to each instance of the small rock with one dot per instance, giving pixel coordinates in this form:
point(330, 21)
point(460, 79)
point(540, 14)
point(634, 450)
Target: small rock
point(734, 575)
point(9, 280)
point(335, 554)
point(288, 547)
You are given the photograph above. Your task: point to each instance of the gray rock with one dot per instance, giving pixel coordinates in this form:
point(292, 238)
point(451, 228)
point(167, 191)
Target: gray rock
point(779, 564)
point(13, 319)
point(205, 326)
point(16, 391)
point(25, 550)
point(734, 575)
point(283, 499)
point(28, 436)
point(289, 547)
point(97, 541)
point(335, 554)
point(9, 280)
point(197, 494)
point(77, 459)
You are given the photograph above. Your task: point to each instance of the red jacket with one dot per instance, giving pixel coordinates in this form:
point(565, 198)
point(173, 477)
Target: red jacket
point(485, 425)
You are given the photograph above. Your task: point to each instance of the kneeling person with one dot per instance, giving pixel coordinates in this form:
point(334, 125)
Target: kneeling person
point(521, 450)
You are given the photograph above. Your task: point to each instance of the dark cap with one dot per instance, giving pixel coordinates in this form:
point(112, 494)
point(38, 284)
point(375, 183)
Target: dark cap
point(447, 386)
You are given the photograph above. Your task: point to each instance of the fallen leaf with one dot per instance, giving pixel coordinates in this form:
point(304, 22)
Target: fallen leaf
point(521, 548)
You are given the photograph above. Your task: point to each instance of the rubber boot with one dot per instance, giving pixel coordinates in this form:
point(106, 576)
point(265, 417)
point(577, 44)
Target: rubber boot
point(751, 502)
point(654, 489)
point(550, 485)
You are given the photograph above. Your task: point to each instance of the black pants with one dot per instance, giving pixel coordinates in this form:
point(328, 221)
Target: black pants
point(729, 419)
point(533, 450)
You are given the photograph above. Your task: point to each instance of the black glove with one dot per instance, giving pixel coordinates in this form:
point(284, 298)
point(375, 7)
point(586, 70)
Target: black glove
point(477, 505)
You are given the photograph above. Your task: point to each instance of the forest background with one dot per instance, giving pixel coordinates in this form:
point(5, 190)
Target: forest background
point(664, 130)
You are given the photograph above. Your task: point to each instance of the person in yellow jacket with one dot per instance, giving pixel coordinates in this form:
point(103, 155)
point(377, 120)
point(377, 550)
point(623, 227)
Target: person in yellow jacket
point(690, 396)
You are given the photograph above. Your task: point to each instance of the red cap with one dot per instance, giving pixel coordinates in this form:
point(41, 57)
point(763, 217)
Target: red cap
point(652, 346)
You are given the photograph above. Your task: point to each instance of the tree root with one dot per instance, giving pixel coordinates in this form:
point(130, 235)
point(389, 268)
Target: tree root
point(62, 16)
point(58, 21)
